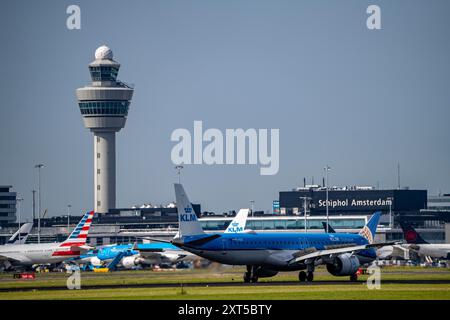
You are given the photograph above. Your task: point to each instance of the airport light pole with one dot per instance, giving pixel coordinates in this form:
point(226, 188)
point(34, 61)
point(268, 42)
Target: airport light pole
point(327, 169)
point(19, 200)
point(34, 204)
point(304, 208)
point(68, 217)
point(390, 211)
point(252, 203)
point(178, 168)
point(39, 166)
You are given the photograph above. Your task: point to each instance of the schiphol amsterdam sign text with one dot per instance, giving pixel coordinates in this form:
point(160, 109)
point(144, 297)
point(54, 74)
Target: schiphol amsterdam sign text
point(235, 147)
point(355, 203)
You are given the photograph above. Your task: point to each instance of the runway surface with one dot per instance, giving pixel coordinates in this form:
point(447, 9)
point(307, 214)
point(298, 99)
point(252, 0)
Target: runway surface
point(221, 284)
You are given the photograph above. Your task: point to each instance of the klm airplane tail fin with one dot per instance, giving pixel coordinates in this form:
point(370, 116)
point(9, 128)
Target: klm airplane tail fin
point(369, 230)
point(239, 222)
point(188, 223)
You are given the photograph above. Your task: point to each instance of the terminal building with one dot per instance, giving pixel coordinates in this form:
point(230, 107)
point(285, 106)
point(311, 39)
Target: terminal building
point(7, 205)
point(351, 201)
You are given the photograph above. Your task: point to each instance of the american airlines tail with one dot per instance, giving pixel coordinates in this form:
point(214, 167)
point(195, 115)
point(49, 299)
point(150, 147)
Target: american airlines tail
point(369, 230)
point(78, 236)
point(188, 223)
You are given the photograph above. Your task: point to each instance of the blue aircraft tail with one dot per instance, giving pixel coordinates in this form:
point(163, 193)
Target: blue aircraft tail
point(369, 230)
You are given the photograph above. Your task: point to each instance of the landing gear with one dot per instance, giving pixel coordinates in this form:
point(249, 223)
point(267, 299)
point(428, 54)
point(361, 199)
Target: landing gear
point(250, 275)
point(306, 276)
point(354, 277)
point(302, 276)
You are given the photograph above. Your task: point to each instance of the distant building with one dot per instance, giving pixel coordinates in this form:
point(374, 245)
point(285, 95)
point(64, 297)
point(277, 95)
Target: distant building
point(7, 205)
point(351, 201)
point(441, 202)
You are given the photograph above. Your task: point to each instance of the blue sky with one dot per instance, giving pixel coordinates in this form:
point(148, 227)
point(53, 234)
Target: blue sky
point(343, 95)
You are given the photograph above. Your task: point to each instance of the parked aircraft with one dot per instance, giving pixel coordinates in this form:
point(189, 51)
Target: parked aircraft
point(421, 247)
point(23, 255)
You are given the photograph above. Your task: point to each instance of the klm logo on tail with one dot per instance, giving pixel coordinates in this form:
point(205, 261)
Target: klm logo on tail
point(234, 227)
point(188, 216)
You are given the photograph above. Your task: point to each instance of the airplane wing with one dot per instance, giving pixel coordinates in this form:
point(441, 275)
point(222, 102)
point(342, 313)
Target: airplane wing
point(331, 252)
point(150, 254)
point(14, 257)
point(155, 239)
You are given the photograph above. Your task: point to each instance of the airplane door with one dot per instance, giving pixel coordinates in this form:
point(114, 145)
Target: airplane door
point(226, 244)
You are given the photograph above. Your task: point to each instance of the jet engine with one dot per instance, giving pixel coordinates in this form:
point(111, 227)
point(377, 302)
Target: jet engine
point(265, 273)
point(96, 262)
point(130, 262)
point(344, 265)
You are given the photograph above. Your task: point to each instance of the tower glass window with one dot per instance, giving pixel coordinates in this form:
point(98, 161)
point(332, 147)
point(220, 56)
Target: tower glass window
point(104, 107)
point(103, 73)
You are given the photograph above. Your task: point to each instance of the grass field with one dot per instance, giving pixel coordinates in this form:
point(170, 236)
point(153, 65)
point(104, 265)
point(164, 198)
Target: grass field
point(409, 286)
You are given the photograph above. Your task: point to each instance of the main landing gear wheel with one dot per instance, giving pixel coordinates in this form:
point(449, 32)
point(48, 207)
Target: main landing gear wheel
point(249, 275)
point(354, 277)
point(310, 276)
point(302, 276)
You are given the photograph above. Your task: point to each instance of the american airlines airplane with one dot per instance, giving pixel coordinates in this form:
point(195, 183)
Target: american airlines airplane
point(265, 254)
point(23, 255)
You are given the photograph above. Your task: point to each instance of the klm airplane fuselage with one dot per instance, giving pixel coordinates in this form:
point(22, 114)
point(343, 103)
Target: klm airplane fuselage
point(271, 250)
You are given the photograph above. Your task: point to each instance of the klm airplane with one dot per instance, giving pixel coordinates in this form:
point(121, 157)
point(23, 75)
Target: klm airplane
point(265, 254)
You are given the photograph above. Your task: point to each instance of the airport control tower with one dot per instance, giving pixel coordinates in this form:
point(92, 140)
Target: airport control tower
point(104, 107)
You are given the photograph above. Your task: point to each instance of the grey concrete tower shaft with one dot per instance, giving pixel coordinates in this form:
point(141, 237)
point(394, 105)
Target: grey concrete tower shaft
point(105, 170)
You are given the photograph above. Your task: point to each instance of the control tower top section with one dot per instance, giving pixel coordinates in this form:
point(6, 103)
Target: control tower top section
point(104, 104)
